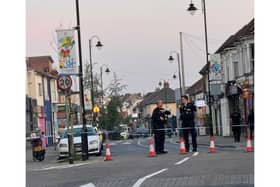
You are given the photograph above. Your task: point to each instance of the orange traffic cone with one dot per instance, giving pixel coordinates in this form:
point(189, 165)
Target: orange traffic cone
point(182, 146)
point(212, 148)
point(108, 153)
point(249, 145)
point(152, 152)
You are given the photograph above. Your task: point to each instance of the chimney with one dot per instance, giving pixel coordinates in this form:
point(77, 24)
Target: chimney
point(166, 84)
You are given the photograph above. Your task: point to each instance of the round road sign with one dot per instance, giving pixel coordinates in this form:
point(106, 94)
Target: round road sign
point(64, 82)
point(96, 109)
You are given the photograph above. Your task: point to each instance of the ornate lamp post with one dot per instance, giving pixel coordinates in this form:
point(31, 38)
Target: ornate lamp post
point(192, 9)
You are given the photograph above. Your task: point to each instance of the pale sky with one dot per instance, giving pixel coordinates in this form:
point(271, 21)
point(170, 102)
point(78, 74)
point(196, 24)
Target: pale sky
point(138, 34)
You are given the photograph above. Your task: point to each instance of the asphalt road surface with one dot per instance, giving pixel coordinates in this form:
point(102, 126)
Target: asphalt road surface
point(131, 166)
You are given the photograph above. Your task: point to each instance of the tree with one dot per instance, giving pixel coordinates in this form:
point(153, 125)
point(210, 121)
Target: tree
point(96, 82)
point(116, 87)
point(111, 116)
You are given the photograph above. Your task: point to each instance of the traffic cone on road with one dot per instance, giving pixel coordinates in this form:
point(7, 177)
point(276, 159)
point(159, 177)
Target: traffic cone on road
point(152, 152)
point(182, 146)
point(249, 147)
point(108, 153)
point(212, 148)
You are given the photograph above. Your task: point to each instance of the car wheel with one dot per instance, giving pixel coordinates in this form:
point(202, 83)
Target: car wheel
point(99, 153)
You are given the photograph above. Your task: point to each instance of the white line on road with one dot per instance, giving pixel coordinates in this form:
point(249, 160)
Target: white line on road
point(63, 166)
point(141, 180)
point(141, 145)
point(195, 154)
point(88, 185)
point(126, 143)
point(181, 161)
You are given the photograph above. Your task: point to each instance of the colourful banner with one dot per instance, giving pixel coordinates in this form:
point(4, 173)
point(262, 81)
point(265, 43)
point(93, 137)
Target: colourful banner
point(215, 67)
point(87, 100)
point(67, 52)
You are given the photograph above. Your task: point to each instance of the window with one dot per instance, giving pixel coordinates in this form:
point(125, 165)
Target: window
point(40, 89)
point(235, 69)
point(252, 56)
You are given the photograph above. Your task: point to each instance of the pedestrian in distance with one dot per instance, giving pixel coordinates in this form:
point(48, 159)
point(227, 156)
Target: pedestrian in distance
point(34, 135)
point(235, 124)
point(159, 119)
point(187, 116)
point(44, 141)
point(251, 119)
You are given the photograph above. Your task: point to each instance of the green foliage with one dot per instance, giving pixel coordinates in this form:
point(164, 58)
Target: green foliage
point(111, 116)
point(127, 120)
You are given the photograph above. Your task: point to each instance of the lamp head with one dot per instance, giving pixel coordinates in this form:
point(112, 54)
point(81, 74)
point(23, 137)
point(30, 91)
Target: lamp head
point(99, 45)
point(192, 9)
point(107, 70)
point(171, 59)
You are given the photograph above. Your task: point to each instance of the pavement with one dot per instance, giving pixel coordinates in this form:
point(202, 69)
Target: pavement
point(220, 141)
point(230, 166)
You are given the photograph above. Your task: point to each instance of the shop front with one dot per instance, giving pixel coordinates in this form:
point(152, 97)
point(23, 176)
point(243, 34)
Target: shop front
point(248, 98)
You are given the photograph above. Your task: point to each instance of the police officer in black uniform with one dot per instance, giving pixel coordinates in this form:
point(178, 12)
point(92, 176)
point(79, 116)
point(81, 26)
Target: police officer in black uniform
point(187, 116)
point(159, 119)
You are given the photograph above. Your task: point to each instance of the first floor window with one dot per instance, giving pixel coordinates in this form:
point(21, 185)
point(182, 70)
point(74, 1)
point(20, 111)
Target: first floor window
point(235, 69)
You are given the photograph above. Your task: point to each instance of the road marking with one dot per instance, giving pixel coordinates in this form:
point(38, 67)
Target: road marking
point(88, 185)
point(181, 161)
point(139, 143)
point(195, 154)
point(141, 180)
point(126, 143)
point(64, 166)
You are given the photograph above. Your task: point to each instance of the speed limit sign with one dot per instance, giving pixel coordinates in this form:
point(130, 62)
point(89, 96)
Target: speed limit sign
point(64, 82)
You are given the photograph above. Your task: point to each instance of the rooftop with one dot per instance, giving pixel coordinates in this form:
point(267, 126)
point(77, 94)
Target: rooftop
point(246, 30)
point(166, 94)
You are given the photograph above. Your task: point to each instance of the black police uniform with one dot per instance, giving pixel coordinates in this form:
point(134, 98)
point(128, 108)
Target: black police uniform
point(158, 128)
point(235, 123)
point(187, 115)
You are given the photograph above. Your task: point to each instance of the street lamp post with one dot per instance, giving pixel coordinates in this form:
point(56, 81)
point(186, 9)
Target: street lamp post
point(171, 60)
point(182, 62)
point(107, 70)
point(82, 107)
point(98, 45)
point(192, 10)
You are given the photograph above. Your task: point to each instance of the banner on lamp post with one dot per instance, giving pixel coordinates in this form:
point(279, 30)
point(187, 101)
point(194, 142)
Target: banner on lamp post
point(67, 52)
point(87, 99)
point(215, 67)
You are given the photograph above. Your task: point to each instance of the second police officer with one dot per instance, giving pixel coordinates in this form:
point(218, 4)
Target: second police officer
point(187, 116)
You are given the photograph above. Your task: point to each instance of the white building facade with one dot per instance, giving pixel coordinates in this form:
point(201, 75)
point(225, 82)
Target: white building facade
point(237, 62)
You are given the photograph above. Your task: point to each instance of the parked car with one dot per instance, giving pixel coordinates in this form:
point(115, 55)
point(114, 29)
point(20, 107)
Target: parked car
point(95, 146)
point(100, 134)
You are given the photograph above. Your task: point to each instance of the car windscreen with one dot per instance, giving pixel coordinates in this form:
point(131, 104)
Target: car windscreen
point(77, 132)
